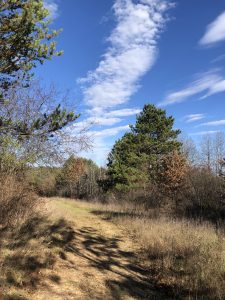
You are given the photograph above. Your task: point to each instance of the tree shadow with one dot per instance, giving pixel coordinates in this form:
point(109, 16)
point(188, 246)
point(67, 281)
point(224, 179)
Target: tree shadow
point(105, 255)
point(56, 234)
point(129, 276)
point(137, 280)
point(28, 250)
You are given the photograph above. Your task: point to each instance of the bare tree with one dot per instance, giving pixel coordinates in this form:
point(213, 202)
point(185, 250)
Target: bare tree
point(207, 151)
point(43, 144)
point(189, 151)
point(219, 151)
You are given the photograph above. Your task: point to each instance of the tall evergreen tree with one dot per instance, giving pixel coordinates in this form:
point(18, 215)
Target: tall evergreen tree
point(135, 158)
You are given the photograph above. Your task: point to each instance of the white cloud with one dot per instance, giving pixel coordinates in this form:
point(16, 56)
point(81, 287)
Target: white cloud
point(214, 123)
point(125, 112)
point(132, 52)
point(104, 121)
point(109, 118)
point(109, 132)
point(218, 58)
point(209, 83)
point(101, 147)
point(112, 117)
point(52, 7)
point(194, 117)
point(204, 132)
point(217, 87)
point(215, 31)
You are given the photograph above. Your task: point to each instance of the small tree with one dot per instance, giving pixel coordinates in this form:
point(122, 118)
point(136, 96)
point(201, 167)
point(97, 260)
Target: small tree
point(72, 170)
point(173, 169)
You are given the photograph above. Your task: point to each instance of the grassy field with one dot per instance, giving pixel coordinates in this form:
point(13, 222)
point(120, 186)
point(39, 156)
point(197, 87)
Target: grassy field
point(77, 250)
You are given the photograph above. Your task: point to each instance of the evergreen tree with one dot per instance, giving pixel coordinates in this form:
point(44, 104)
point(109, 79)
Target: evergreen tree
point(25, 39)
point(135, 158)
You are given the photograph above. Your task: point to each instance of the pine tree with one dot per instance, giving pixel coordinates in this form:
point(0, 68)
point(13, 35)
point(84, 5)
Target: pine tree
point(135, 158)
point(25, 39)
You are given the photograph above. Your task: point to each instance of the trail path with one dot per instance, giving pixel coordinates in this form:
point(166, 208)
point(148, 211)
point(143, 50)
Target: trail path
point(98, 262)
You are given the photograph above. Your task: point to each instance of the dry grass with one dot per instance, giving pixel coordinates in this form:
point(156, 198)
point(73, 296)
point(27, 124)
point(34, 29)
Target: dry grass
point(137, 254)
point(188, 257)
point(27, 251)
point(185, 257)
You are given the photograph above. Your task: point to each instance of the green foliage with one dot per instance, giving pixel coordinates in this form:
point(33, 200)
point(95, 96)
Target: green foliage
point(45, 125)
point(25, 38)
point(135, 158)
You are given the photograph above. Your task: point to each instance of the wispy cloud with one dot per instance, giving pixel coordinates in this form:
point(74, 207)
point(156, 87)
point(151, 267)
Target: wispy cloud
point(109, 132)
point(132, 52)
point(214, 123)
point(209, 83)
point(101, 145)
point(113, 117)
point(218, 58)
point(204, 132)
point(215, 31)
point(217, 87)
point(193, 117)
point(103, 121)
point(52, 7)
point(123, 112)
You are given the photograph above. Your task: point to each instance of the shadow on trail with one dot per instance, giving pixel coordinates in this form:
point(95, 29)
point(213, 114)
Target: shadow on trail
point(101, 253)
point(105, 255)
point(30, 249)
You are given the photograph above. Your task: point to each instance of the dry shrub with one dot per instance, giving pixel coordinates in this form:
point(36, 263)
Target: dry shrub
point(17, 201)
point(203, 195)
point(186, 257)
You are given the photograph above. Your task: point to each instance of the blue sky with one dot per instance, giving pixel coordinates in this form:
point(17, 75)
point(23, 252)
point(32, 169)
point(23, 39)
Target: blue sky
point(121, 54)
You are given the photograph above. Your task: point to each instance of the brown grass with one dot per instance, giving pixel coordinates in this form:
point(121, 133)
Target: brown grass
point(29, 250)
point(185, 257)
point(85, 255)
point(190, 258)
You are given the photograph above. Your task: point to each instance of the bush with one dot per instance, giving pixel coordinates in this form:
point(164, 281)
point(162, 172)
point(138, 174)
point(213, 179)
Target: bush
point(43, 180)
point(17, 201)
point(203, 195)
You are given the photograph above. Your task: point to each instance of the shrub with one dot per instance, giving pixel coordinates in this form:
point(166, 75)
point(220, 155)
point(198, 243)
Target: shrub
point(203, 195)
point(17, 201)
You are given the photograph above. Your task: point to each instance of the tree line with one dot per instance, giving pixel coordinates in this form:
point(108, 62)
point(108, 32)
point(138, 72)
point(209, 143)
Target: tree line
point(152, 165)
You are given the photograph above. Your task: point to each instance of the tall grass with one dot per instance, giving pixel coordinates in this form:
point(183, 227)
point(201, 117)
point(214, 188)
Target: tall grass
point(185, 258)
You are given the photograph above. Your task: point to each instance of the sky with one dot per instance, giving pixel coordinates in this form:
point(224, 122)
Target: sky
point(122, 54)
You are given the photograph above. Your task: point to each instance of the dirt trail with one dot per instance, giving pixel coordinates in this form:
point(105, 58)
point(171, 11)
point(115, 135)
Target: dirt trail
point(99, 262)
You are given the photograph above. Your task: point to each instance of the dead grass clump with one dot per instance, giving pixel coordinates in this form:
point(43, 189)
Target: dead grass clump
point(186, 257)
